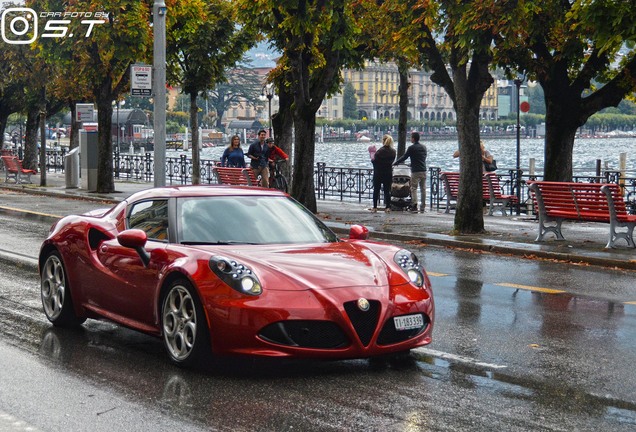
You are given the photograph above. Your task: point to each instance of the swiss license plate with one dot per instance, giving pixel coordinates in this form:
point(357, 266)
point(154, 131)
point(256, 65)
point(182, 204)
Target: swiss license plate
point(408, 322)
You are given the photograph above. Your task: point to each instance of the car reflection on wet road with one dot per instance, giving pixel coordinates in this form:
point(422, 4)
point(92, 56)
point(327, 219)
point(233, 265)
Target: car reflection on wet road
point(518, 345)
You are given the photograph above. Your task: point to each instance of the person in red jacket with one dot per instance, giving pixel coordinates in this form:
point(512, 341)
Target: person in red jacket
point(275, 152)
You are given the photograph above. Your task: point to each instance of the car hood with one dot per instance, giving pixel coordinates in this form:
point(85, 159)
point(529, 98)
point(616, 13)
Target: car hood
point(316, 266)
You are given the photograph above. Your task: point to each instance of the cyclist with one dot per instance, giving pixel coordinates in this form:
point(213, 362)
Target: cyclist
point(276, 154)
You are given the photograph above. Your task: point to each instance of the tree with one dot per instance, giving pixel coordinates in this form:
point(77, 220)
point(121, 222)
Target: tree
point(317, 38)
point(101, 54)
point(202, 41)
point(566, 46)
point(350, 103)
point(460, 58)
point(242, 86)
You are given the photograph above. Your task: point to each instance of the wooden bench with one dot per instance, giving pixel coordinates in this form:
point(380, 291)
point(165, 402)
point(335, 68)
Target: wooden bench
point(236, 176)
point(589, 202)
point(14, 170)
point(491, 191)
point(492, 188)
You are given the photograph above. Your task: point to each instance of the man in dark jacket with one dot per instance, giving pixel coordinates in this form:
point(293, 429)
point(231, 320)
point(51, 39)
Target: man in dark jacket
point(258, 152)
point(417, 153)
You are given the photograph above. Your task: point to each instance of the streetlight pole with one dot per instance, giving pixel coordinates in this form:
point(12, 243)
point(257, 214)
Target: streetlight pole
point(159, 86)
point(268, 93)
point(518, 82)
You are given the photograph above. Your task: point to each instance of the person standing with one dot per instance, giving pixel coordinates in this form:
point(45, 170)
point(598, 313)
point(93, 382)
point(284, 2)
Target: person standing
point(233, 156)
point(383, 172)
point(417, 154)
point(259, 155)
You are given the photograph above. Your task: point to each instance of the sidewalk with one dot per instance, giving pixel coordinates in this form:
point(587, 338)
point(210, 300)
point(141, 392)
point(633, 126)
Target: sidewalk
point(512, 235)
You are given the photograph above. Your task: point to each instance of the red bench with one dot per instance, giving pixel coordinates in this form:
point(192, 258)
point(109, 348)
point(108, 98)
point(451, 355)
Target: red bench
point(589, 202)
point(236, 176)
point(491, 191)
point(14, 170)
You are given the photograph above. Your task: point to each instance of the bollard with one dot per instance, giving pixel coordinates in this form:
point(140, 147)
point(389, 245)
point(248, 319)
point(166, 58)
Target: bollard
point(622, 166)
point(71, 169)
point(531, 167)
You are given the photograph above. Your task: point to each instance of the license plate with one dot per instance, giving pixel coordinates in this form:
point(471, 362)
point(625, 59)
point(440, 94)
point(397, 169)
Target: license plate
point(408, 322)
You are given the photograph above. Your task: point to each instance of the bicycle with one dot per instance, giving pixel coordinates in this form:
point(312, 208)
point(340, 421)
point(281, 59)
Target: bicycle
point(276, 178)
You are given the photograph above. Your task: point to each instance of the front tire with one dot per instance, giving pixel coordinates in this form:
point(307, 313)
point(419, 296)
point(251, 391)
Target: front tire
point(56, 294)
point(185, 329)
point(280, 183)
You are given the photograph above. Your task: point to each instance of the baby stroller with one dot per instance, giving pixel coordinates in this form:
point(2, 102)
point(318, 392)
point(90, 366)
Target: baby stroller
point(401, 188)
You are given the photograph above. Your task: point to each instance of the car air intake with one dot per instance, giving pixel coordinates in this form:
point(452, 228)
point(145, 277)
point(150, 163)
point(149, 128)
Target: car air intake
point(364, 322)
point(305, 334)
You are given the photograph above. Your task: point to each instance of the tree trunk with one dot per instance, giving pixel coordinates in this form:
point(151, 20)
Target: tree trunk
point(469, 218)
point(303, 188)
point(561, 122)
point(105, 180)
point(194, 128)
point(404, 103)
point(43, 137)
point(74, 136)
point(283, 123)
point(30, 156)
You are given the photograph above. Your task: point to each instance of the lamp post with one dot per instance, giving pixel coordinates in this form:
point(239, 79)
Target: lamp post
point(267, 93)
point(518, 82)
point(159, 11)
point(118, 104)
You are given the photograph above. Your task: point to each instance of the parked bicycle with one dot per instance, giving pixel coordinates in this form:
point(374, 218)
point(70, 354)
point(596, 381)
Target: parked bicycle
point(276, 178)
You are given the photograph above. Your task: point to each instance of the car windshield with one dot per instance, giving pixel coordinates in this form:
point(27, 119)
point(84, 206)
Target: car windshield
point(248, 220)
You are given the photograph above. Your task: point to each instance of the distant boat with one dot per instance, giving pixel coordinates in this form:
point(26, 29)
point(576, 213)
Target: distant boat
point(364, 139)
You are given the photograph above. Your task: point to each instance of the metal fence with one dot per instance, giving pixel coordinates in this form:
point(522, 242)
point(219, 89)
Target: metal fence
point(340, 183)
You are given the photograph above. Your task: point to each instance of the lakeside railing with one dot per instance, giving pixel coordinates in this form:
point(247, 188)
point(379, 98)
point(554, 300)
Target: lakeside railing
point(339, 183)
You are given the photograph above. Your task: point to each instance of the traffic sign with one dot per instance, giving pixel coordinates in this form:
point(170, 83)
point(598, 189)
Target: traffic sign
point(84, 112)
point(524, 107)
point(141, 80)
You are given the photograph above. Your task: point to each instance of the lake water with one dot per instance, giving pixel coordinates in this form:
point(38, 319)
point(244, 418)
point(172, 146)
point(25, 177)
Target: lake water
point(586, 152)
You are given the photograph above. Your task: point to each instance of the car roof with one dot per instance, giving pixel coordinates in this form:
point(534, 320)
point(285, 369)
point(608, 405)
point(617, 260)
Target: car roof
point(203, 191)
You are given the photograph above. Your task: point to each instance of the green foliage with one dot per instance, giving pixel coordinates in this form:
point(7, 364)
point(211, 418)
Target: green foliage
point(350, 102)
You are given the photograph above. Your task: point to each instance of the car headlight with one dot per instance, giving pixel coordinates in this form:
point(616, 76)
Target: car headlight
point(237, 275)
point(409, 263)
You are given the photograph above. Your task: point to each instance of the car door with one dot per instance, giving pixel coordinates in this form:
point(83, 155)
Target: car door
point(132, 295)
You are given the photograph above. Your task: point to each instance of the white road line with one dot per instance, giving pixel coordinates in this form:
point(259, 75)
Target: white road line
point(457, 358)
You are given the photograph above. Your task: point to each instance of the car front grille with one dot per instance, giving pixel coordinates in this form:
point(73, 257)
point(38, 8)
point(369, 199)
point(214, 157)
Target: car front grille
point(305, 334)
point(364, 322)
point(389, 335)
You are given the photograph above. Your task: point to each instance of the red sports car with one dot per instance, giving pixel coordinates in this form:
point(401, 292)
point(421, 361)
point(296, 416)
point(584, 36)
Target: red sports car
point(234, 270)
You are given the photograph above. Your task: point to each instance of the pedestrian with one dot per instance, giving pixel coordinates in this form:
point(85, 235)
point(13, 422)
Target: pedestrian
point(233, 156)
point(417, 154)
point(383, 173)
point(258, 152)
point(372, 151)
point(488, 161)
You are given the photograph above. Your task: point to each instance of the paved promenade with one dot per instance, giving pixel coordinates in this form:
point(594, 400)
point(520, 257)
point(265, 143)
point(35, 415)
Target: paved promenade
point(512, 235)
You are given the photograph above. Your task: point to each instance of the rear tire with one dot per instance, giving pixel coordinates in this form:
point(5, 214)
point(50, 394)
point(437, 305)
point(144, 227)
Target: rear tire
point(184, 326)
point(56, 294)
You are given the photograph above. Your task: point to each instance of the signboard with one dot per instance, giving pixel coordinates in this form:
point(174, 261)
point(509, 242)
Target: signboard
point(141, 80)
point(84, 112)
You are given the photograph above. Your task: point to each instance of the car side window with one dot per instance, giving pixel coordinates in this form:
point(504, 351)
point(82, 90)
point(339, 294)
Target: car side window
point(152, 217)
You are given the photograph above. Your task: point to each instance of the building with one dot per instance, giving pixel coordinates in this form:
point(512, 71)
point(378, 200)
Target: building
point(376, 88)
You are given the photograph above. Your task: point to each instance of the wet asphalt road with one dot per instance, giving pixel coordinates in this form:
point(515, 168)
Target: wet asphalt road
point(508, 354)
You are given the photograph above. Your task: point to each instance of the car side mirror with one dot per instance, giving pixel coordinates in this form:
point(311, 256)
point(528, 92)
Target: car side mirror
point(135, 239)
point(358, 232)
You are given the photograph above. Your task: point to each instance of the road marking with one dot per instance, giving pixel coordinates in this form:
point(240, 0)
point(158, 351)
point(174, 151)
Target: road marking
point(457, 358)
point(30, 212)
point(532, 288)
point(436, 274)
